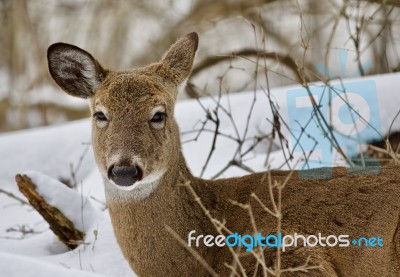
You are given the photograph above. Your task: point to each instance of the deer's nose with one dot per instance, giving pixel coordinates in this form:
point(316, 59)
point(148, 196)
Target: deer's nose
point(125, 175)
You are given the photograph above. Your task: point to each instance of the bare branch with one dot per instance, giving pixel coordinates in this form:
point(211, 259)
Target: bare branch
point(9, 194)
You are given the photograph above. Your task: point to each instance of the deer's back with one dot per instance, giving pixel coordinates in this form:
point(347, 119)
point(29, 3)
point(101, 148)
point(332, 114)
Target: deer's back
point(355, 204)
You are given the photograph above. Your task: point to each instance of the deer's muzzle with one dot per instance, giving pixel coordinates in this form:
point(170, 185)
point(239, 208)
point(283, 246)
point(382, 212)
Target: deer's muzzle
point(124, 175)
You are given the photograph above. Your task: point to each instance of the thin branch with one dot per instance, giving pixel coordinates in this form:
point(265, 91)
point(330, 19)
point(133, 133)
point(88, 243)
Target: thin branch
point(11, 195)
point(213, 60)
point(191, 250)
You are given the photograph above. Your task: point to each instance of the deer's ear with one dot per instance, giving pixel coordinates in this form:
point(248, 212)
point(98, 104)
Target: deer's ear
point(74, 69)
point(179, 58)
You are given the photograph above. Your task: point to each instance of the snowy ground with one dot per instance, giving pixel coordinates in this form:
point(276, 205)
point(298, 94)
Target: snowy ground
point(61, 150)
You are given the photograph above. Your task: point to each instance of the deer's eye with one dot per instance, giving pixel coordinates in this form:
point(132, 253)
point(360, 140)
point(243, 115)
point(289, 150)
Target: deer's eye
point(100, 116)
point(159, 117)
point(158, 120)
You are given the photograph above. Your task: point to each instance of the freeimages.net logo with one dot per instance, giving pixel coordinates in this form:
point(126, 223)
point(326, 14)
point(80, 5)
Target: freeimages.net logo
point(336, 122)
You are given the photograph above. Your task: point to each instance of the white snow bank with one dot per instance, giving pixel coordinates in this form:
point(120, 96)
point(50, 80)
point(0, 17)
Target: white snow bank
point(38, 245)
point(100, 253)
point(51, 150)
point(20, 266)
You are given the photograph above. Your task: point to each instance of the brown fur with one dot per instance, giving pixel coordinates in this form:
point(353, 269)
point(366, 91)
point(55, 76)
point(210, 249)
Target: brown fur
point(353, 204)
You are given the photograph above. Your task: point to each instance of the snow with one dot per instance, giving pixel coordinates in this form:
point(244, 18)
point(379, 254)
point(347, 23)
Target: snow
point(48, 150)
point(46, 156)
point(100, 253)
point(16, 265)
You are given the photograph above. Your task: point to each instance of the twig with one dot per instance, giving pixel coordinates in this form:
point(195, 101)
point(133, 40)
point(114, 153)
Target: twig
point(11, 195)
point(74, 171)
point(219, 226)
point(100, 202)
point(191, 250)
point(213, 60)
point(261, 259)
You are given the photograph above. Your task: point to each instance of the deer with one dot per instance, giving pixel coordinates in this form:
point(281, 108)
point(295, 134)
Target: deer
point(150, 191)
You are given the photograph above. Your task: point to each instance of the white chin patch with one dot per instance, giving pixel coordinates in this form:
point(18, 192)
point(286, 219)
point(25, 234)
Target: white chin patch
point(137, 191)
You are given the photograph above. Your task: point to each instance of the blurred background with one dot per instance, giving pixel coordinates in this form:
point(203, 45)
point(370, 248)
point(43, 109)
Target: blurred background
point(244, 45)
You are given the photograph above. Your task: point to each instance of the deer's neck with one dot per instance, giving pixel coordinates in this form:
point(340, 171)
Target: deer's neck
point(140, 226)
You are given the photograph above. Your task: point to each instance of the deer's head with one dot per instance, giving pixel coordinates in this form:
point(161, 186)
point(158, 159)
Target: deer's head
point(135, 137)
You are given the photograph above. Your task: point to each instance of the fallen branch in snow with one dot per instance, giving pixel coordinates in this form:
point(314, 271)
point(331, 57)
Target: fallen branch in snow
point(62, 227)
